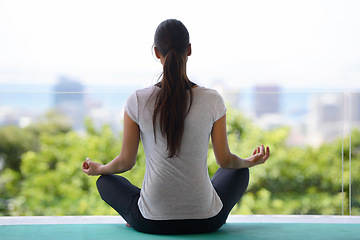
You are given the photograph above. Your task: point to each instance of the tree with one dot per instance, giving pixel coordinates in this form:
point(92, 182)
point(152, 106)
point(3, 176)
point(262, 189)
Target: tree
point(295, 180)
point(15, 141)
point(53, 181)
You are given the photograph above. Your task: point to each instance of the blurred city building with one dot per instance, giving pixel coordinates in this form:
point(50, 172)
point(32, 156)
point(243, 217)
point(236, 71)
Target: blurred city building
point(326, 118)
point(355, 110)
point(69, 100)
point(267, 100)
point(312, 117)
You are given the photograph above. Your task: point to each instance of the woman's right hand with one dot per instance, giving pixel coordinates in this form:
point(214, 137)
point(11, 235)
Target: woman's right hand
point(260, 155)
point(91, 168)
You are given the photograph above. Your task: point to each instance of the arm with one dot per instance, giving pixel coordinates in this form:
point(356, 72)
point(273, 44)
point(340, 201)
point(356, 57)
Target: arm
point(225, 158)
point(127, 158)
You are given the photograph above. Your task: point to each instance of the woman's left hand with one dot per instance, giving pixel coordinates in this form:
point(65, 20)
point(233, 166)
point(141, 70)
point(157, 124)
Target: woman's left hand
point(91, 168)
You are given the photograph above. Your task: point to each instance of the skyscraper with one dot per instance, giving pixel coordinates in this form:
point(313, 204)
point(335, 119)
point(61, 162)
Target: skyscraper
point(69, 100)
point(267, 100)
point(72, 87)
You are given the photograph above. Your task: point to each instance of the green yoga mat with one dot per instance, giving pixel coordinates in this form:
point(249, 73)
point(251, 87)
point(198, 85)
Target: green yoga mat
point(243, 231)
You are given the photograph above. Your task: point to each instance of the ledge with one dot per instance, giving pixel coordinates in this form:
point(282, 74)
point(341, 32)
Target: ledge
point(34, 220)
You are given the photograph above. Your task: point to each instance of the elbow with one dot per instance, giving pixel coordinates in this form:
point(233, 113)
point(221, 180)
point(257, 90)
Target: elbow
point(124, 165)
point(225, 166)
point(130, 165)
point(222, 165)
point(225, 162)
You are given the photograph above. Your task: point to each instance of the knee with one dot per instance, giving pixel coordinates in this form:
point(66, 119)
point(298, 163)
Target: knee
point(246, 174)
point(102, 185)
point(101, 181)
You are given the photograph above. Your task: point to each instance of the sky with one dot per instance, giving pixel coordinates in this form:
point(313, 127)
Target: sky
point(296, 44)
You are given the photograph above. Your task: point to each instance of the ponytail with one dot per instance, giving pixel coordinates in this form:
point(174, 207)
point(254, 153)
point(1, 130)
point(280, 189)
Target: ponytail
point(173, 101)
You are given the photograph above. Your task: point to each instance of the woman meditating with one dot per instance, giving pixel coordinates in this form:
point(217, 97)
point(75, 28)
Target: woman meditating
point(175, 120)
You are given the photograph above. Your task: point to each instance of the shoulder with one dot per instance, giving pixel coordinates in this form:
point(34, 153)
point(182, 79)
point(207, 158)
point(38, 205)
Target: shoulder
point(207, 93)
point(141, 94)
point(145, 91)
point(136, 101)
point(205, 90)
point(209, 101)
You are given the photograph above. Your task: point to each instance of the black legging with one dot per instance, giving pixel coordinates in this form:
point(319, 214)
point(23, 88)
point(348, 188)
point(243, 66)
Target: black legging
point(121, 195)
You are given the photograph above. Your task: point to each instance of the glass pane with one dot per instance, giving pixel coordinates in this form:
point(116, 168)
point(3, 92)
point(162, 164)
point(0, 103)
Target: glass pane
point(304, 132)
point(355, 154)
point(46, 136)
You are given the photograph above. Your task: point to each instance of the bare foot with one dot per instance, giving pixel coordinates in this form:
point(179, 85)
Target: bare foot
point(128, 225)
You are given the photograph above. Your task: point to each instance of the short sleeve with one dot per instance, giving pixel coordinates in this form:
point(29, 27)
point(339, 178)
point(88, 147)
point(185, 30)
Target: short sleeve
point(131, 107)
point(220, 108)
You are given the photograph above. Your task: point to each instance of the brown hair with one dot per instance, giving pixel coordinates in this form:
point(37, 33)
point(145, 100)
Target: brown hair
point(172, 102)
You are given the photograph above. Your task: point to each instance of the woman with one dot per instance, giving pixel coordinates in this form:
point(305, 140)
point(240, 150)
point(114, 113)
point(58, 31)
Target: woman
point(175, 119)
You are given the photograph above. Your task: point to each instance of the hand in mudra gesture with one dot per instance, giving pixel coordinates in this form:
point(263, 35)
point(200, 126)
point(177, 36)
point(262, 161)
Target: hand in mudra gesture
point(259, 156)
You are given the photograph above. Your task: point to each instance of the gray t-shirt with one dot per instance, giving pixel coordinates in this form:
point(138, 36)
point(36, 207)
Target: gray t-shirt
point(179, 187)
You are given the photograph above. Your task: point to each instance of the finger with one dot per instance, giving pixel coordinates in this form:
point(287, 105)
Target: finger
point(267, 155)
point(88, 160)
point(86, 171)
point(262, 150)
point(86, 165)
point(255, 151)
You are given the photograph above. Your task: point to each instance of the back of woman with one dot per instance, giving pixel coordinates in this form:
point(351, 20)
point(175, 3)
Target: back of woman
point(178, 187)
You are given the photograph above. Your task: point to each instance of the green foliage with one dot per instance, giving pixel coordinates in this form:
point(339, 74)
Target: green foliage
point(53, 181)
point(14, 142)
point(295, 180)
point(52, 122)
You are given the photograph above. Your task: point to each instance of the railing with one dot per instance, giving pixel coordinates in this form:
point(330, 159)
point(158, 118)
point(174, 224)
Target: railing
point(313, 169)
point(354, 105)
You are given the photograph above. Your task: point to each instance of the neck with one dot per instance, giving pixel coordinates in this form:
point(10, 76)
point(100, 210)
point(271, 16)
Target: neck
point(192, 85)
